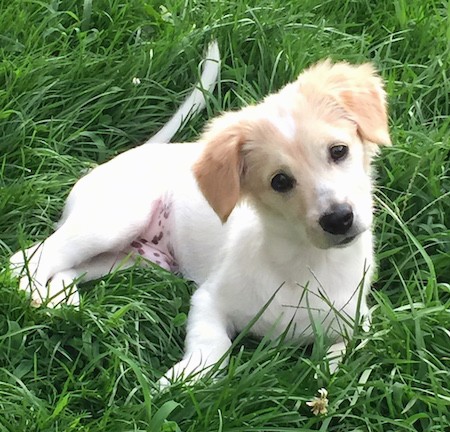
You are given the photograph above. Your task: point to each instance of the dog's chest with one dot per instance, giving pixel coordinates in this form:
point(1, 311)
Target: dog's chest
point(317, 289)
point(294, 308)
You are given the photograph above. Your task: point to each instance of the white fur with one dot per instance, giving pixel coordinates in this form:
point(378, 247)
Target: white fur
point(285, 123)
point(270, 244)
point(195, 102)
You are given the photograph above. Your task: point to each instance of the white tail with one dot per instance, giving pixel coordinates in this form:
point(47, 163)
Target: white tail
point(195, 102)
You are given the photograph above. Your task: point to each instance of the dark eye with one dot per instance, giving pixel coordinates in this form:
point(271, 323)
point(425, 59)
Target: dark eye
point(338, 152)
point(281, 182)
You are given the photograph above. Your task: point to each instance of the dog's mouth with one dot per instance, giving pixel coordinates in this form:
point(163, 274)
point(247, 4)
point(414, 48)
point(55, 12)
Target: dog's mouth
point(334, 242)
point(324, 240)
point(343, 242)
point(347, 240)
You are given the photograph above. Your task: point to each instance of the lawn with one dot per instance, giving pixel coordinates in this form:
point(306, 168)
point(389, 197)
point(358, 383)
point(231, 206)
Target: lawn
point(68, 102)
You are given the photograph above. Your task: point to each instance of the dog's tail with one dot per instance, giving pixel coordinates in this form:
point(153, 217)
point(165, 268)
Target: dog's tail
point(195, 102)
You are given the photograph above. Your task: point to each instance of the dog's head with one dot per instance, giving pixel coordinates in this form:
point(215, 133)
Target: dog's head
point(302, 156)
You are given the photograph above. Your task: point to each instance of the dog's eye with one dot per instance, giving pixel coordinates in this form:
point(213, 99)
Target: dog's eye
point(281, 182)
point(338, 152)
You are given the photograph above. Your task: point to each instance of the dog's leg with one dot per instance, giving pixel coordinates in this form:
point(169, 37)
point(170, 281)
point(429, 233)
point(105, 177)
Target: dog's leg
point(207, 340)
point(337, 351)
point(75, 242)
point(62, 287)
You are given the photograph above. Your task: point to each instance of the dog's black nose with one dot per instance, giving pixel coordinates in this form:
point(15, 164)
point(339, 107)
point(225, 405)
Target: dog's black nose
point(338, 220)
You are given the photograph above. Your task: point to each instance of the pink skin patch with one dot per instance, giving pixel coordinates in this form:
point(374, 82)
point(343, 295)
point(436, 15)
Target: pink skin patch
point(154, 243)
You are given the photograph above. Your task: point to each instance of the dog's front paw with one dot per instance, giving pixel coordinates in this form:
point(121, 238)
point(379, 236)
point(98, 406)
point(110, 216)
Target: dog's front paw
point(186, 371)
point(335, 355)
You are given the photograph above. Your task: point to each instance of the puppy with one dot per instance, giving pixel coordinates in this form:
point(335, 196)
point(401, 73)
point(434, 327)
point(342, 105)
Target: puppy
point(269, 213)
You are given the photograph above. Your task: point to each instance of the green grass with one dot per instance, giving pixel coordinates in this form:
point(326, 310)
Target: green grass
point(67, 102)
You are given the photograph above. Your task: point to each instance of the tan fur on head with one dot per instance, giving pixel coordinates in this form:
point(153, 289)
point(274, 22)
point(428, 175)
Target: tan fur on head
point(357, 89)
point(244, 149)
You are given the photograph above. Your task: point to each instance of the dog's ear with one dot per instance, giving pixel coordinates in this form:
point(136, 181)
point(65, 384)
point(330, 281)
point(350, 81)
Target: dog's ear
point(359, 90)
point(365, 100)
point(219, 169)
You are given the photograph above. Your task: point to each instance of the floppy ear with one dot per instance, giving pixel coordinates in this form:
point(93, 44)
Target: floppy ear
point(219, 169)
point(366, 102)
point(359, 90)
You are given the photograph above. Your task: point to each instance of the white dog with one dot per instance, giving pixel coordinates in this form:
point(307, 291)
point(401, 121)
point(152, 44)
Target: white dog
point(270, 212)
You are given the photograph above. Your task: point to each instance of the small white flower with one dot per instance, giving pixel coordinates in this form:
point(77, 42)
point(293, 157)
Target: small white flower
point(136, 81)
point(319, 405)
